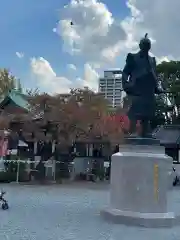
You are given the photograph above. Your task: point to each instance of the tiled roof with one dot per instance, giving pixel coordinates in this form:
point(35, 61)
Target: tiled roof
point(17, 98)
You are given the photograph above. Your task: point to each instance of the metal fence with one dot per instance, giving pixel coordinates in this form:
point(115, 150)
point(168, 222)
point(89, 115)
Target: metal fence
point(51, 170)
point(27, 170)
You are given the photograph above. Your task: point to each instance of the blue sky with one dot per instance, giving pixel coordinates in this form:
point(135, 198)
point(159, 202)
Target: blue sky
point(26, 26)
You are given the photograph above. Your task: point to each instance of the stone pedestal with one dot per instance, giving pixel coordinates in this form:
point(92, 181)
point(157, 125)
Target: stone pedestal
point(140, 180)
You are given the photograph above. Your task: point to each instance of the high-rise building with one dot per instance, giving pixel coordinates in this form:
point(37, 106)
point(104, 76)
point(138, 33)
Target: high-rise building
point(111, 87)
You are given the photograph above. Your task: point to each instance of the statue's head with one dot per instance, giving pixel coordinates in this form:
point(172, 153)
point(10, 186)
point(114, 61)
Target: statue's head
point(145, 44)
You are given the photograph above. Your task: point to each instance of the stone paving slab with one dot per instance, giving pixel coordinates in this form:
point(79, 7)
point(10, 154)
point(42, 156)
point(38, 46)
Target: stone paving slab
point(69, 213)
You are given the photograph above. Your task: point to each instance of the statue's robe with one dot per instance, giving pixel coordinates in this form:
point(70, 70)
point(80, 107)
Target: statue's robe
point(141, 86)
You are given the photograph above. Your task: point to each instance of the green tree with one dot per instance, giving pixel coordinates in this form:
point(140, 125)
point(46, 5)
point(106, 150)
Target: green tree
point(7, 81)
point(169, 75)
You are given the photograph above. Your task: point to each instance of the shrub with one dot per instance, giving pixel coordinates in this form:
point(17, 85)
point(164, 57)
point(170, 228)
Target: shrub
point(7, 177)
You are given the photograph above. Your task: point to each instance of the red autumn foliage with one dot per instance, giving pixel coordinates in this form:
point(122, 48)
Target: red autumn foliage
point(79, 116)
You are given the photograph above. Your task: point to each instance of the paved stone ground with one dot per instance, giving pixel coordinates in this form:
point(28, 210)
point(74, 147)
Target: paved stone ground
point(68, 213)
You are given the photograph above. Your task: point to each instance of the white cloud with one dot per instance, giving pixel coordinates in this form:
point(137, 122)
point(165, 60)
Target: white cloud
point(47, 78)
point(19, 54)
point(89, 30)
point(50, 82)
point(71, 67)
point(163, 59)
point(91, 77)
point(160, 18)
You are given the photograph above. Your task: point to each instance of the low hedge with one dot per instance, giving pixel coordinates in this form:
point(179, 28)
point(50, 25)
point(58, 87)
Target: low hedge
point(7, 177)
point(10, 175)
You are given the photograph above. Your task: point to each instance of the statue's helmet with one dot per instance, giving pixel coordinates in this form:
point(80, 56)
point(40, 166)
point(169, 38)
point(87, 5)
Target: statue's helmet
point(145, 43)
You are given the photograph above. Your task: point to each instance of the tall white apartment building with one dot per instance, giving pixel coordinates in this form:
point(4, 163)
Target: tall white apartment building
point(110, 86)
